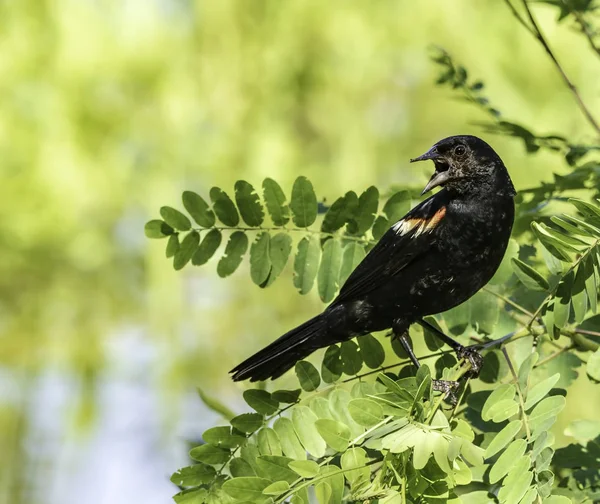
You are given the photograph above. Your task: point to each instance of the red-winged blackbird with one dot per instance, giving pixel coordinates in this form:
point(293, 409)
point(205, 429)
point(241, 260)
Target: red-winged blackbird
point(437, 256)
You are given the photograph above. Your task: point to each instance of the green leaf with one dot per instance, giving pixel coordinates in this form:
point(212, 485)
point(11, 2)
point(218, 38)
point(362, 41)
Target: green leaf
point(280, 248)
point(305, 468)
point(505, 269)
point(247, 422)
point(540, 390)
point(525, 369)
point(558, 499)
point(249, 489)
point(209, 454)
point(175, 218)
point(335, 481)
point(222, 437)
point(562, 304)
point(335, 434)
point(371, 351)
point(304, 424)
point(587, 209)
point(287, 396)
point(506, 461)
point(502, 393)
point(191, 496)
point(484, 312)
point(528, 276)
point(276, 202)
point(353, 254)
point(261, 401)
point(276, 468)
point(354, 463)
point(364, 213)
point(365, 412)
point(308, 376)
point(208, 246)
point(593, 366)
point(323, 492)
point(306, 263)
point(277, 488)
point(329, 271)
point(339, 212)
point(172, 245)
point(260, 262)
point(187, 249)
point(546, 410)
point(591, 287)
point(234, 251)
point(304, 203)
point(396, 207)
point(351, 358)
point(157, 229)
point(194, 475)
point(198, 209)
point(505, 436)
point(517, 489)
point(339, 400)
point(290, 444)
point(380, 227)
point(578, 294)
point(215, 405)
point(268, 442)
point(224, 207)
point(553, 242)
point(332, 366)
point(249, 204)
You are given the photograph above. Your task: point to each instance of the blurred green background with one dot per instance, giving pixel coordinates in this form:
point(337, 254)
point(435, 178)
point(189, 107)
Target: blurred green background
point(109, 109)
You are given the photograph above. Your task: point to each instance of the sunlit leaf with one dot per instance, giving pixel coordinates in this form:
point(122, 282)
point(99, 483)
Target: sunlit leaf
point(172, 245)
point(366, 412)
point(305, 468)
point(187, 249)
point(290, 444)
point(268, 442)
point(505, 436)
point(562, 303)
point(335, 434)
point(208, 246)
point(234, 251)
point(371, 351)
point(248, 203)
point(260, 261)
point(246, 489)
point(530, 277)
point(261, 401)
point(303, 203)
point(175, 218)
point(578, 294)
point(364, 214)
point(505, 462)
point(306, 264)
point(329, 270)
point(304, 424)
point(196, 474)
point(198, 209)
point(280, 247)
point(209, 454)
point(593, 366)
point(540, 390)
point(276, 203)
point(247, 422)
point(224, 208)
point(397, 206)
point(157, 229)
point(353, 254)
point(276, 468)
point(308, 376)
point(354, 461)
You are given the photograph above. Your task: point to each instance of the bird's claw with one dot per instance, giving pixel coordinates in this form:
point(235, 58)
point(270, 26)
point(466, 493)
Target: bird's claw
point(448, 388)
point(472, 356)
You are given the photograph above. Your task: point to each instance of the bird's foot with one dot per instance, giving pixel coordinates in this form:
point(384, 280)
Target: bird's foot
point(471, 355)
point(448, 388)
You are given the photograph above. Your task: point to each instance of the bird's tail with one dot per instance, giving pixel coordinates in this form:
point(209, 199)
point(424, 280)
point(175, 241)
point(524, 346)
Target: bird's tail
point(276, 358)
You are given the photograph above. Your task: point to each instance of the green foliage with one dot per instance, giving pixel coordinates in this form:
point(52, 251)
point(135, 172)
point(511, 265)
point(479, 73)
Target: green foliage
point(365, 427)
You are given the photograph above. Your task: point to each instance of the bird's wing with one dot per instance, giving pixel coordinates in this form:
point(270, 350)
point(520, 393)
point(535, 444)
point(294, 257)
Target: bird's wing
point(408, 240)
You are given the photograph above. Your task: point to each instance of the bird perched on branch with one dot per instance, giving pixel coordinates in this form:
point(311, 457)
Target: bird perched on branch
point(437, 256)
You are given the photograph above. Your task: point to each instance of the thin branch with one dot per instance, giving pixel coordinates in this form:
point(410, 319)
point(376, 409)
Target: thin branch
point(508, 301)
point(537, 33)
point(553, 356)
point(519, 393)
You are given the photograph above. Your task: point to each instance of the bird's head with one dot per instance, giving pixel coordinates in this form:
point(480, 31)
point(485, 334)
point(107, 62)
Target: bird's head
point(465, 163)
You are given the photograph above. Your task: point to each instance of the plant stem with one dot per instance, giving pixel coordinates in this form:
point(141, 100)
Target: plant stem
point(535, 30)
point(519, 393)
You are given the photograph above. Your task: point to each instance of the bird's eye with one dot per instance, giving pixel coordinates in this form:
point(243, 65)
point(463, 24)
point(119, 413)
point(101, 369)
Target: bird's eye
point(460, 150)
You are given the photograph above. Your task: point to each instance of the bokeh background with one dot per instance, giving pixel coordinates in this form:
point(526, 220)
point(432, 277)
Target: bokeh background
point(110, 108)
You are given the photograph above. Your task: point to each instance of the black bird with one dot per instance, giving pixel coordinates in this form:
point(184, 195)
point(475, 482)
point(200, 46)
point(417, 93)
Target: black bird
point(437, 256)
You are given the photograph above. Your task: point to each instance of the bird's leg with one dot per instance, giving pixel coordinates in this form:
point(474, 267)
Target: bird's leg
point(468, 353)
point(445, 386)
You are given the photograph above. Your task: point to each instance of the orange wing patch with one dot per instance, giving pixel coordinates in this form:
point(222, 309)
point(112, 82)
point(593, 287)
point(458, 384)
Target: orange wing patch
point(420, 226)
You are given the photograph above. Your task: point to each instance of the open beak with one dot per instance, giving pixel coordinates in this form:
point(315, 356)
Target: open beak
point(441, 175)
